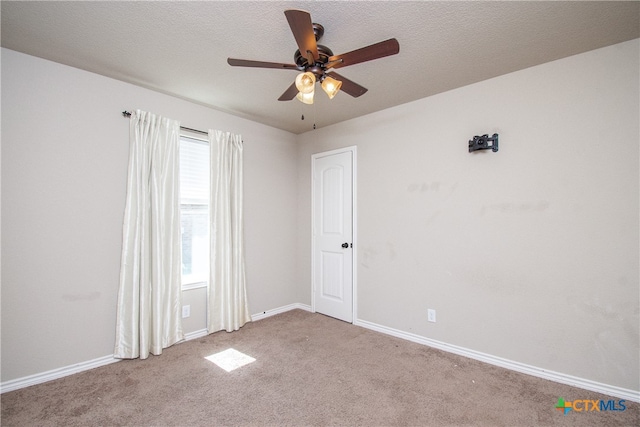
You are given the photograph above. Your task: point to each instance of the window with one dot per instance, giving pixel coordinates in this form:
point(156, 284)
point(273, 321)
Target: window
point(194, 211)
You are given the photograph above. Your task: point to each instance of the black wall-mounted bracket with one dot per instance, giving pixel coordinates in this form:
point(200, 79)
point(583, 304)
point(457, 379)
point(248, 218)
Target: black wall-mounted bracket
point(482, 143)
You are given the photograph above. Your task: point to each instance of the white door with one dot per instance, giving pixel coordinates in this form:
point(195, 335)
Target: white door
point(333, 209)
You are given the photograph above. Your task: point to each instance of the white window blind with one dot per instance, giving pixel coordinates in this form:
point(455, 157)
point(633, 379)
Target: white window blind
point(194, 210)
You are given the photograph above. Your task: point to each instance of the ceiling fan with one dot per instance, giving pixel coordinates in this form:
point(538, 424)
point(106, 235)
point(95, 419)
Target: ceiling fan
point(317, 62)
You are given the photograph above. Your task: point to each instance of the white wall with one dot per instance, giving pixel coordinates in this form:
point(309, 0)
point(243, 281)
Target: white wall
point(529, 254)
point(64, 165)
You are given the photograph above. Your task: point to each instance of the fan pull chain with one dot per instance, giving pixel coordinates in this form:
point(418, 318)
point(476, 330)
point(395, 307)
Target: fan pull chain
point(314, 117)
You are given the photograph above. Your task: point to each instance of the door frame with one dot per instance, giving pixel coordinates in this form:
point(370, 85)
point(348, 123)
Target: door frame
point(354, 229)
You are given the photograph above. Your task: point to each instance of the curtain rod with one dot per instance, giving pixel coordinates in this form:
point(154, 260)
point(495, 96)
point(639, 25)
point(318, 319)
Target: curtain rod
point(128, 114)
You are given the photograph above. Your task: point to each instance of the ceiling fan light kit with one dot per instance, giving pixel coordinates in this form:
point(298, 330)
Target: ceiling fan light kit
point(331, 86)
point(305, 82)
point(316, 61)
point(305, 98)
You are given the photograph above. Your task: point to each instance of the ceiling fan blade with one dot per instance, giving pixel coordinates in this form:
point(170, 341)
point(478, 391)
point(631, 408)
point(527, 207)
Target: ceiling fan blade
point(302, 29)
point(290, 93)
point(348, 86)
point(368, 53)
point(260, 64)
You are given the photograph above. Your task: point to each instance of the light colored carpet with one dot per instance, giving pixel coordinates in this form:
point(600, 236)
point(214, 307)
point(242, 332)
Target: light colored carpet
point(310, 370)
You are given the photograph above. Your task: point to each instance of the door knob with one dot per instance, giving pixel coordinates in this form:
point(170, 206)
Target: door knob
point(345, 245)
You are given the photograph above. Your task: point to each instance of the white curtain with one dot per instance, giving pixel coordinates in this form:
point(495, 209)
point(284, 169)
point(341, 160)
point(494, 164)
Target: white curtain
point(227, 308)
point(149, 299)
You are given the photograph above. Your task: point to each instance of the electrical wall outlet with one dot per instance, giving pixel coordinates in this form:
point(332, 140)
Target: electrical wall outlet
point(431, 315)
point(186, 311)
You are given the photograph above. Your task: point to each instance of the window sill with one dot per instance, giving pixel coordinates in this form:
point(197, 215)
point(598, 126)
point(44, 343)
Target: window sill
point(192, 286)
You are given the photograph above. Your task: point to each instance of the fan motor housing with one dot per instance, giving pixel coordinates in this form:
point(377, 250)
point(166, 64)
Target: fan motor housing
point(324, 54)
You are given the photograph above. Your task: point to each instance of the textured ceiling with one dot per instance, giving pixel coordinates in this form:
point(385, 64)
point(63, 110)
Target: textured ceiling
point(180, 48)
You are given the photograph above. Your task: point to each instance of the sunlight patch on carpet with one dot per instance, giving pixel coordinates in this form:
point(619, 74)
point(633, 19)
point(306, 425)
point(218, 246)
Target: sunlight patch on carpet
point(230, 359)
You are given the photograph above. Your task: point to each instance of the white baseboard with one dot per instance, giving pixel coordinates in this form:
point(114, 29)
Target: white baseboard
point(54, 374)
point(279, 310)
point(195, 334)
point(254, 317)
point(558, 377)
